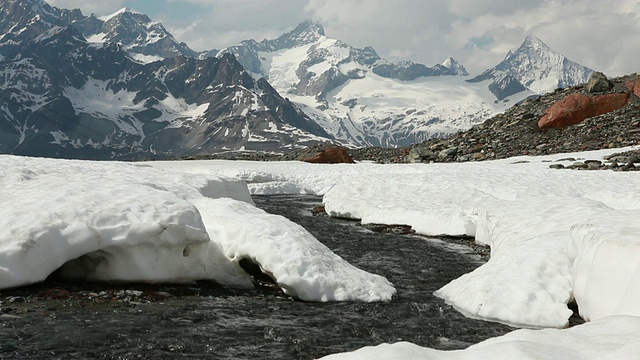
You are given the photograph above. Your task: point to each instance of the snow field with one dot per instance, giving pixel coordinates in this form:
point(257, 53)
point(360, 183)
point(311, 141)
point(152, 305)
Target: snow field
point(132, 222)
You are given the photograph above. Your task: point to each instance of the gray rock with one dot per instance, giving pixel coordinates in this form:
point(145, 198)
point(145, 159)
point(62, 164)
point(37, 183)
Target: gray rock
point(448, 152)
point(580, 165)
point(420, 154)
point(593, 166)
point(598, 82)
point(556, 166)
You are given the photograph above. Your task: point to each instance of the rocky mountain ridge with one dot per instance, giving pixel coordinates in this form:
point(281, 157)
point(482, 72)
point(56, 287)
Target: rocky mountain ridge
point(144, 39)
point(62, 96)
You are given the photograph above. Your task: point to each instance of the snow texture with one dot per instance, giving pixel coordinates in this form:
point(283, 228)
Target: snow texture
point(615, 337)
point(131, 222)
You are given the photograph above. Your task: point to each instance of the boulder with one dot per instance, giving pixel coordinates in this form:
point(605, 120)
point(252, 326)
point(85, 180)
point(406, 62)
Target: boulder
point(420, 154)
point(574, 108)
point(333, 155)
point(452, 151)
point(598, 82)
point(634, 86)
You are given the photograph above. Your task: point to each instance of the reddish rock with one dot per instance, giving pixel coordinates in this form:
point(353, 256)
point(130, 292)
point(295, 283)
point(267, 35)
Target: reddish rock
point(574, 108)
point(334, 155)
point(634, 86)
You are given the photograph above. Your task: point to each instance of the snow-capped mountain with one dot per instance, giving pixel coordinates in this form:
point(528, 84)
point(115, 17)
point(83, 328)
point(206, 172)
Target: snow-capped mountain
point(62, 96)
point(124, 81)
point(363, 99)
point(534, 66)
point(146, 40)
point(22, 21)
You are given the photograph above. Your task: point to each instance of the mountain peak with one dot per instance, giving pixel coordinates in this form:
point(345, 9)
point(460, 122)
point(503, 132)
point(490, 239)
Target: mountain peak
point(455, 67)
point(532, 42)
point(305, 33)
point(538, 67)
point(309, 27)
point(124, 10)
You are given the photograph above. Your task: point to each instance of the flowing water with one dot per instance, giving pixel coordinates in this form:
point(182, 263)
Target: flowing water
point(204, 320)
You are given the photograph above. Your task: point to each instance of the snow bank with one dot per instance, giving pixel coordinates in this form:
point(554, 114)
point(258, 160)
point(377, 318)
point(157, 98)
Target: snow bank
point(606, 269)
point(301, 265)
point(121, 222)
point(526, 212)
point(616, 337)
point(132, 222)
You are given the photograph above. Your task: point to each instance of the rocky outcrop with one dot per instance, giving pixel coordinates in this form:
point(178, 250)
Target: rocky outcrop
point(332, 155)
point(634, 86)
point(575, 108)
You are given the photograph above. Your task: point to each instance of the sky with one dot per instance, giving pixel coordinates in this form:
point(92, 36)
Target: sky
point(601, 34)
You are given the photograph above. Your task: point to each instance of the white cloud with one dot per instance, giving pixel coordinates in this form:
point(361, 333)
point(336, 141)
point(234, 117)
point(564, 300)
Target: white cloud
point(226, 22)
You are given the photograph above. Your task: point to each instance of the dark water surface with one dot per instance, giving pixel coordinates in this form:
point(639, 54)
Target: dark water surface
point(203, 320)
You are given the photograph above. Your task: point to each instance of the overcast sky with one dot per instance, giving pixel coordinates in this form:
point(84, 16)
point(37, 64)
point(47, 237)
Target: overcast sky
point(601, 34)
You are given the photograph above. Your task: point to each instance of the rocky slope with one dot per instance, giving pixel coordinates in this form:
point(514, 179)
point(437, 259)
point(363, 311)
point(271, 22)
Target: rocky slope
point(516, 131)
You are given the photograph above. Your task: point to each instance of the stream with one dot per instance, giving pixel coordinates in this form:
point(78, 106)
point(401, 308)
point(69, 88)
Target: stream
point(57, 320)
